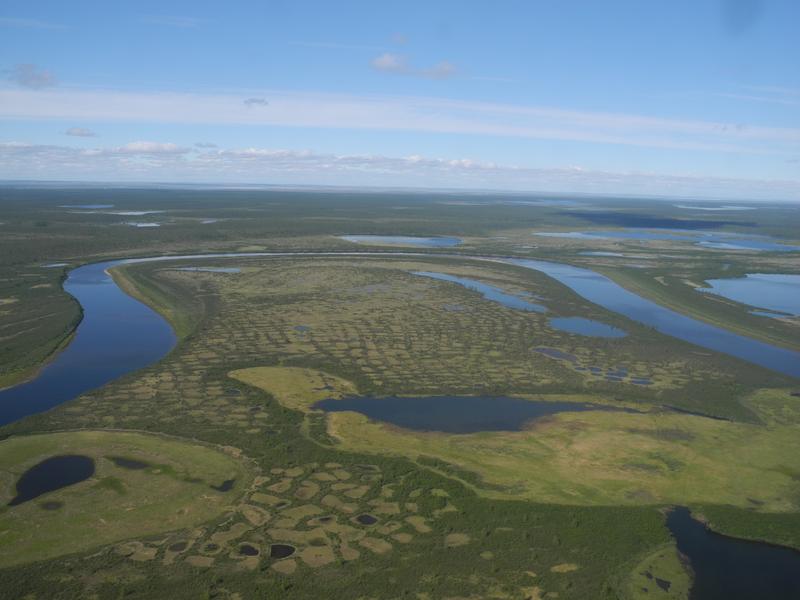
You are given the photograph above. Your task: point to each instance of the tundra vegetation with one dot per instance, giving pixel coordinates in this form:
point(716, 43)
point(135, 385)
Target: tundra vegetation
point(214, 474)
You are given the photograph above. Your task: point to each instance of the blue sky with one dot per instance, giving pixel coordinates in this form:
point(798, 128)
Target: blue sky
point(682, 98)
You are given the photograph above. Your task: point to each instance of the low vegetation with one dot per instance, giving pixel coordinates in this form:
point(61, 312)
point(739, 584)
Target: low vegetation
point(332, 505)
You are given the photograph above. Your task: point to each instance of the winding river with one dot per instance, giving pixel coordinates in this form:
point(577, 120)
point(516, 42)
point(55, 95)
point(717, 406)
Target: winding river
point(119, 334)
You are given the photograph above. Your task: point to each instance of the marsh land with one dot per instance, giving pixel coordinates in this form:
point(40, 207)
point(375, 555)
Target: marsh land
point(386, 395)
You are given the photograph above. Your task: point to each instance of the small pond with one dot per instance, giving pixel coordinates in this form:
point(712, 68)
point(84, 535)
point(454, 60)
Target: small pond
point(777, 293)
point(455, 414)
point(281, 550)
point(403, 240)
point(225, 486)
point(248, 550)
point(617, 374)
point(587, 327)
point(128, 463)
point(490, 292)
point(365, 519)
point(52, 474)
point(727, 568)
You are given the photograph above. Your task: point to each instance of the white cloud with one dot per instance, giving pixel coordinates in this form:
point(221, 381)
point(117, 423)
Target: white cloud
point(151, 161)
point(149, 148)
point(205, 145)
point(430, 115)
point(394, 63)
point(251, 102)
point(31, 76)
point(80, 132)
point(391, 63)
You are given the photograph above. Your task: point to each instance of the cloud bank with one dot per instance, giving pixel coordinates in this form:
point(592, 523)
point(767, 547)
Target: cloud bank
point(147, 161)
point(387, 113)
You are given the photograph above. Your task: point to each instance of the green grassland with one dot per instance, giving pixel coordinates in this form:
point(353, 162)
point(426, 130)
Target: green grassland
point(175, 491)
point(588, 458)
point(569, 508)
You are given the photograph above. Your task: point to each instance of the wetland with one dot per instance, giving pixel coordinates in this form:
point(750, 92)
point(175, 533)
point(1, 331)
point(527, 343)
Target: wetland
point(243, 484)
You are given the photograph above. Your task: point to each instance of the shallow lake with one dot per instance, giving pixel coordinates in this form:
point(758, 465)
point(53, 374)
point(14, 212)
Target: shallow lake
point(455, 414)
point(733, 569)
point(403, 240)
point(775, 292)
point(52, 474)
point(587, 327)
point(490, 292)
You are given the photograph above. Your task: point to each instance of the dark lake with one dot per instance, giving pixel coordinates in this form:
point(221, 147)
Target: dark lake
point(454, 414)
point(733, 569)
point(281, 550)
point(52, 474)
